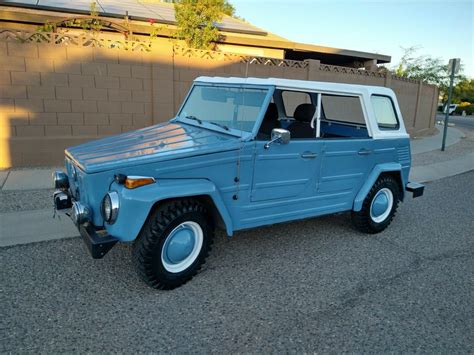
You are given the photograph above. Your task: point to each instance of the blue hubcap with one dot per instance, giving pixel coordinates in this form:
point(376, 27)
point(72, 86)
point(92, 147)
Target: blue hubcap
point(179, 245)
point(182, 247)
point(381, 205)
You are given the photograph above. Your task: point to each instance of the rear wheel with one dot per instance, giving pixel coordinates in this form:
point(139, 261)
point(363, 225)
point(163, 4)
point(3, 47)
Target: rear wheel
point(379, 207)
point(173, 243)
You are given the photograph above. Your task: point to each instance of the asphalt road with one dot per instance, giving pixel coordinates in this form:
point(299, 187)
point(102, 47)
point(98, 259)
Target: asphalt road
point(459, 121)
point(314, 286)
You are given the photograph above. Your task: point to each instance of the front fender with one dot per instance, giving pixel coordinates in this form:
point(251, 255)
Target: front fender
point(136, 204)
point(372, 178)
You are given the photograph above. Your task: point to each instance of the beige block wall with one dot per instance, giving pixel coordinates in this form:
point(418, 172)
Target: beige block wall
point(407, 99)
point(55, 96)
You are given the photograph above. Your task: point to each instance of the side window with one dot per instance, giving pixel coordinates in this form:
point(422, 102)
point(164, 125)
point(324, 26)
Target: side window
point(346, 109)
point(384, 112)
point(291, 100)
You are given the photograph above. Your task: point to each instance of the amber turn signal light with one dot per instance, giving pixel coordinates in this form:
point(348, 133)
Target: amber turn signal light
point(132, 182)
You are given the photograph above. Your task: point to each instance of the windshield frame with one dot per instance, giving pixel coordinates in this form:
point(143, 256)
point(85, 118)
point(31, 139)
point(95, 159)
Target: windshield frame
point(232, 131)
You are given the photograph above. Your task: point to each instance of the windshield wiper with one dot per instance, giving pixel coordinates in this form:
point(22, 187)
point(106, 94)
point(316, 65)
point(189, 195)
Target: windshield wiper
point(220, 125)
point(194, 118)
point(200, 122)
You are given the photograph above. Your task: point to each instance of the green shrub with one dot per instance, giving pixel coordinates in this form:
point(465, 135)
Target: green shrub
point(465, 106)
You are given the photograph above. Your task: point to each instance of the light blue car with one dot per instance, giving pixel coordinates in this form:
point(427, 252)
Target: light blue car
point(241, 153)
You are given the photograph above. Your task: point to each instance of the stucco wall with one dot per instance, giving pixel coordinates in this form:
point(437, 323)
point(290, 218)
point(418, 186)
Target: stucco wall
point(54, 95)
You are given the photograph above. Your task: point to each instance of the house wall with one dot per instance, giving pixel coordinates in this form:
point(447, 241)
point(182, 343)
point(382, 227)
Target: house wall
point(57, 95)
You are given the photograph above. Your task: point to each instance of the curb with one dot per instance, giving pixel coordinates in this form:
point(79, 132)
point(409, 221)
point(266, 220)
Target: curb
point(27, 179)
point(40, 227)
point(428, 144)
point(426, 173)
point(3, 178)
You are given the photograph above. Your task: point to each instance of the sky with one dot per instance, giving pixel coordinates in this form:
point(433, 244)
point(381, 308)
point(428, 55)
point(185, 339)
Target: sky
point(441, 28)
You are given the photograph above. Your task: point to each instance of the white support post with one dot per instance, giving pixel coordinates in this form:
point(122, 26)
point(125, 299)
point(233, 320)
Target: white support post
point(318, 116)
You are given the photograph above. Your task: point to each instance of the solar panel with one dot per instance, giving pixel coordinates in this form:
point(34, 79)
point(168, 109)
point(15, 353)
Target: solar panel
point(142, 11)
point(26, 2)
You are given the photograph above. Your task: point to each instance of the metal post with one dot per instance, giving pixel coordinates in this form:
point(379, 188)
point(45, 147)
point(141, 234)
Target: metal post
point(446, 117)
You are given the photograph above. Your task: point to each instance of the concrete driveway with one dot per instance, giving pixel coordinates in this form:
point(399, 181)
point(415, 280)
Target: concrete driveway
point(311, 286)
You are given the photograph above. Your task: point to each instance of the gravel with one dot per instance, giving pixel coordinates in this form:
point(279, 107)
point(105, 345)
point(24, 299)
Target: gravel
point(309, 286)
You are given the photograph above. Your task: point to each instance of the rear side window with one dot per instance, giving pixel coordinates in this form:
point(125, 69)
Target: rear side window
point(384, 112)
point(347, 109)
point(292, 99)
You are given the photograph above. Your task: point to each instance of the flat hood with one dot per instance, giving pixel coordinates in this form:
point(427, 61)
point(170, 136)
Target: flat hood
point(156, 143)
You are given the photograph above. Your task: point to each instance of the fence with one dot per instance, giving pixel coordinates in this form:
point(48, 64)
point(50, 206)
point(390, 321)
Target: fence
point(58, 90)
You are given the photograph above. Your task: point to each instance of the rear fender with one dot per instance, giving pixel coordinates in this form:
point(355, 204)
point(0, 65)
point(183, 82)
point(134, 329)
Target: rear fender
point(372, 178)
point(136, 204)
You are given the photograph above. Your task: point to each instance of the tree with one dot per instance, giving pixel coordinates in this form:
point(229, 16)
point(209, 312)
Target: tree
point(422, 67)
point(229, 9)
point(196, 21)
point(464, 91)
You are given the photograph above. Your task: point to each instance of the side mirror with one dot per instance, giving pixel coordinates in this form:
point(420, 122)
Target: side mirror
point(279, 135)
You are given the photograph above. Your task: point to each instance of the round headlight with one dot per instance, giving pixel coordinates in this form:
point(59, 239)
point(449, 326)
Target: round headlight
point(110, 207)
point(60, 180)
point(107, 208)
point(79, 213)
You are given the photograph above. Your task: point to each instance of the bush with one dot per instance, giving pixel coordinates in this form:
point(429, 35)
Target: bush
point(196, 22)
point(465, 106)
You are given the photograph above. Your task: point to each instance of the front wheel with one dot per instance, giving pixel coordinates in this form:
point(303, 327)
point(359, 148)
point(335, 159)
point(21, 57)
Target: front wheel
point(173, 243)
point(379, 207)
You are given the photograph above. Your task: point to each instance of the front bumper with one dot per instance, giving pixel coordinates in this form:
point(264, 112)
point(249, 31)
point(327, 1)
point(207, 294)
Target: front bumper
point(98, 242)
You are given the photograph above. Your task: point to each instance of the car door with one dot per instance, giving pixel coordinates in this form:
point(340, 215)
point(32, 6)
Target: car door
point(285, 171)
point(347, 150)
point(345, 164)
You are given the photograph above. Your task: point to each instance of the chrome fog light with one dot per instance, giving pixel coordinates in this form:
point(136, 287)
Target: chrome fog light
point(79, 213)
point(110, 207)
point(60, 180)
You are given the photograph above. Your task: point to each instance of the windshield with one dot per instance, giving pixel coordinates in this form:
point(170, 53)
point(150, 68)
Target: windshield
point(225, 107)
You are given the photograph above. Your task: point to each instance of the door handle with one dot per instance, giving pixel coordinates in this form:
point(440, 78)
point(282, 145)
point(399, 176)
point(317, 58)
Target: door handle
point(309, 155)
point(364, 151)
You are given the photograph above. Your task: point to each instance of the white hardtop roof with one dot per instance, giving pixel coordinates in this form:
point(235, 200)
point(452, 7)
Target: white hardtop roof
point(298, 84)
point(319, 86)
